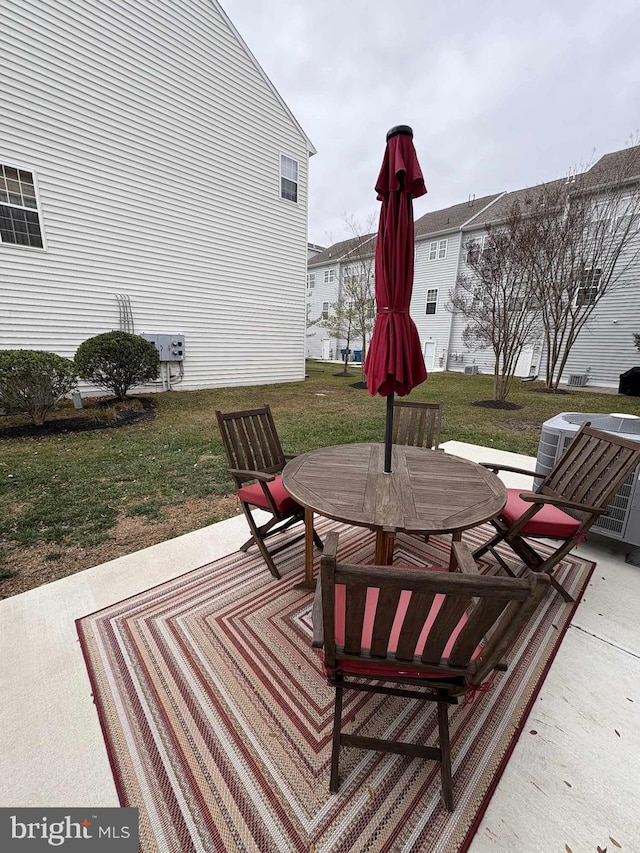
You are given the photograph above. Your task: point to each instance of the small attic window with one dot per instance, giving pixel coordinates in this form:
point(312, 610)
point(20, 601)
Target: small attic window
point(288, 178)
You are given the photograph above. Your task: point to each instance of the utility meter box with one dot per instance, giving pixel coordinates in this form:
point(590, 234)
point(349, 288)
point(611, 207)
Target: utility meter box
point(170, 345)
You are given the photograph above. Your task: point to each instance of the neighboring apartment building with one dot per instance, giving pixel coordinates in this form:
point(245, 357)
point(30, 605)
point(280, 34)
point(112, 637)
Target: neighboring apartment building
point(152, 179)
point(326, 272)
point(604, 350)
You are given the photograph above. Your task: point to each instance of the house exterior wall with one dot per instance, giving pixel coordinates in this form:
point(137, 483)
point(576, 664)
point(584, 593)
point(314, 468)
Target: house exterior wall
point(155, 142)
point(605, 348)
point(321, 292)
point(435, 274)
point(319, 339)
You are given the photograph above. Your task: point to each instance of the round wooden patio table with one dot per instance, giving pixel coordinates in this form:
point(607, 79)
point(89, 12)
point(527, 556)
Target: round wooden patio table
point(428, 491)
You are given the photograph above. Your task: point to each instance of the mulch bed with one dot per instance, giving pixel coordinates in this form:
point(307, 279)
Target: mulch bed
point(357, 384)
point(497, 404)
point(90, 419)
point(560, 391)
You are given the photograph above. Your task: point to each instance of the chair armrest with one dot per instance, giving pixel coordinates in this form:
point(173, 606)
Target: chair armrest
point(496, 466)
point(464, 558)
point(289, 456)
point(316, 617)
point(533, 497)
point(252, 475)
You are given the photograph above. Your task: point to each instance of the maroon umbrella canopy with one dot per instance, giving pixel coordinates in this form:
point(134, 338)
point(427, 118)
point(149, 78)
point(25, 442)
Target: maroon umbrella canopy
point(394, 362)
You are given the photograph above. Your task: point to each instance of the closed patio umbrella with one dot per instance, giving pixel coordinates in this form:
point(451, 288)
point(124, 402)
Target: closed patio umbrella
point(394, 363)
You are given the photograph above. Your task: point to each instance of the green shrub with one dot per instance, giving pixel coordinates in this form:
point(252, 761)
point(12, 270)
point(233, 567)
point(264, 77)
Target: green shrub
point(32, 381)
point(116, 361)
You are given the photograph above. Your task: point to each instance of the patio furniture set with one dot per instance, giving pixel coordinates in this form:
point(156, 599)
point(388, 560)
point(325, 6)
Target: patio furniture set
point(428, 633)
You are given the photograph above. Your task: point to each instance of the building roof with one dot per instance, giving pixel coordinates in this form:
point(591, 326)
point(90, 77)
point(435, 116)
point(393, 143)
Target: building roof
point(623, 164)
point(451, 218)
point(341, 251)
point(479, 212)
point(498, 211)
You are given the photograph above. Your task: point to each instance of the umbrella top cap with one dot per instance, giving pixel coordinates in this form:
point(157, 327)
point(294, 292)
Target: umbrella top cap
point(403, 129)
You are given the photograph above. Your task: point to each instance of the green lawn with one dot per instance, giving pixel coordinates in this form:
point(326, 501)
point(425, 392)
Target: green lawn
point(73, 501)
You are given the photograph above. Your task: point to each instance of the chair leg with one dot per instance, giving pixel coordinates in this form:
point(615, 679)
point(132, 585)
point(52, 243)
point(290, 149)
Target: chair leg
point(335, 750)
point(504, 565)
point(445, 751)
point(257, 538)
point(559, 588)
point(488, 546)
point(318, 541)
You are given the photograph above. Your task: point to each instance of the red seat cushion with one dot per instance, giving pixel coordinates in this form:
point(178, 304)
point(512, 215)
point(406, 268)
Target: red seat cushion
point(548, 521)
point(390, 669)
point(254, 495)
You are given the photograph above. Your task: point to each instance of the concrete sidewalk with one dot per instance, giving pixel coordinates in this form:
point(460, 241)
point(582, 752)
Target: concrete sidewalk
point(575, 783)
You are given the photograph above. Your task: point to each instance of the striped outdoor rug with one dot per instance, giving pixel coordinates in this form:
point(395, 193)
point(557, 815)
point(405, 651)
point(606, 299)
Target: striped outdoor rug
point(218, 721)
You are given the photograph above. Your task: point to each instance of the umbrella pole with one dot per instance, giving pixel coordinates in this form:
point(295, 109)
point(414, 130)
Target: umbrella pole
point(388, 437)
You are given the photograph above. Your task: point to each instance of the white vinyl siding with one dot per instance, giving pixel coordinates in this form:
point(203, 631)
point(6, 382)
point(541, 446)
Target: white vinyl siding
point(107, 102)
point(430, 277)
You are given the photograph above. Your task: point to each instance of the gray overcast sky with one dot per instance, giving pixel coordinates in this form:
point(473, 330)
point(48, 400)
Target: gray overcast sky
point(500, 95)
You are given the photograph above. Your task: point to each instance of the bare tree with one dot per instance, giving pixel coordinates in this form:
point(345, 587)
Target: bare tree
point(497, 300)
point(357, 279)
point(338, 321)
point(581, 238)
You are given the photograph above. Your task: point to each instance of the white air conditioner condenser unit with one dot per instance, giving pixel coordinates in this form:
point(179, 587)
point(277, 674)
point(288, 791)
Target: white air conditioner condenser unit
point(622, 520)
point(471, 369)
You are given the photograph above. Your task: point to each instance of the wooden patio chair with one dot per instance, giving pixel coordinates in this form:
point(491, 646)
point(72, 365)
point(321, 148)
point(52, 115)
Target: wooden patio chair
point(417, 424)
point(569, 500)
point(256, 458)
point(439, 634)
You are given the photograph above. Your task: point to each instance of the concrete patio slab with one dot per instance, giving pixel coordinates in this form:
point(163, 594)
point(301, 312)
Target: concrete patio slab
point(575, 783)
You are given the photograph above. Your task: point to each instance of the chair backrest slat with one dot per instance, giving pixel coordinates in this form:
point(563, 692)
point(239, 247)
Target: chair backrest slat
point(355, 604)
point(481, 619)
point(413, 624)
point(592, 468)
point(383, 623)
point(417, 424)
point(251, 441)
point(449, 615)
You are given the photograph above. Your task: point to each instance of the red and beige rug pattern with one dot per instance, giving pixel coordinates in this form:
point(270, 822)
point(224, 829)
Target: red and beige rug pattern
point(218, 722)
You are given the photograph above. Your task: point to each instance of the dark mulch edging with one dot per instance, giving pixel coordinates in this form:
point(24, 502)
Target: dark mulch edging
point(342, 375)
point(497, 404)
point(357, 384)
point(560, 391)
point(86, 421)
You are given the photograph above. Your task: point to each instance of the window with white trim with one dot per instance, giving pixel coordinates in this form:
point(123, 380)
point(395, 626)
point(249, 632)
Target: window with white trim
point(432, 301)
point(288, 178)
point(19, 217)
point(329, 276)
point(438, 249)
point(587, 293)
point(325, 310)
point(311, 280)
